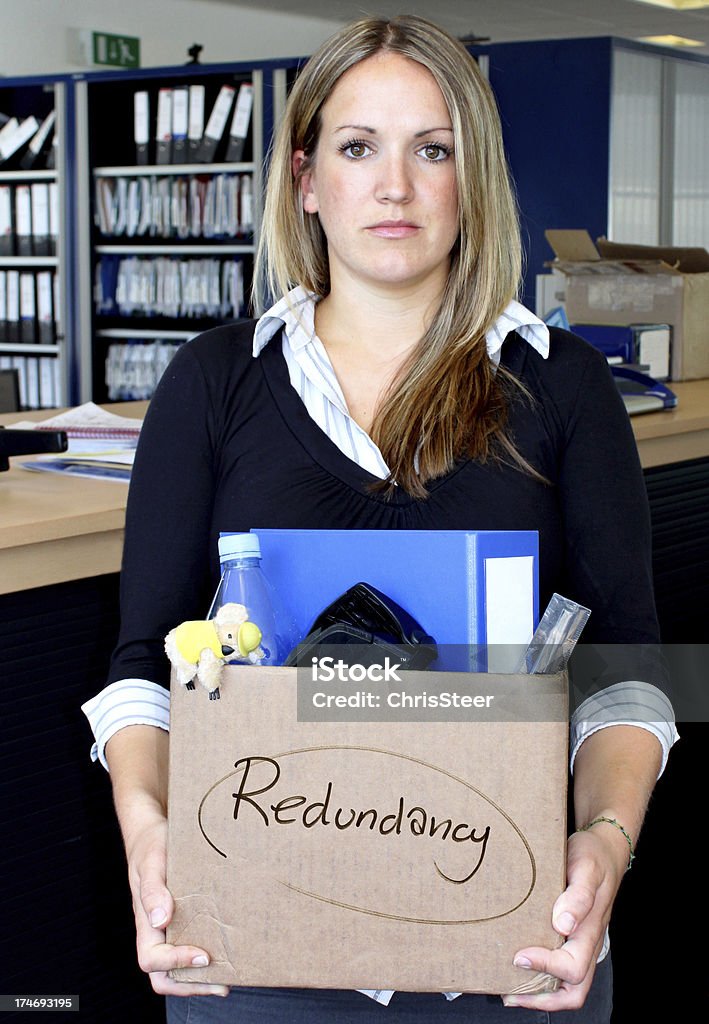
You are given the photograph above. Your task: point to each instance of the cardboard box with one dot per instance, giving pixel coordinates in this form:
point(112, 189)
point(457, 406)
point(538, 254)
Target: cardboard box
point(306, 854)
point(637, 284)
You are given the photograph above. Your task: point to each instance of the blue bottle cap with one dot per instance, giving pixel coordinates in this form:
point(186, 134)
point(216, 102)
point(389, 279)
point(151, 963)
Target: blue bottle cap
point(239, 545)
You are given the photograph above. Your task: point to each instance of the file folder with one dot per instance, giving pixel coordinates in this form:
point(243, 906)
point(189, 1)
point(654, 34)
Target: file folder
point(3, 308)
point(163, 135)
point(195, 128)
point(13, 306)
point(53, 217)
point(45, 313)
point(6, 132)
point(141, 127)
point(39, 203)
point(28, 310)
point(23, 219)
point(240, 123)
point(40, 143)
point(180, 115)
point(7, 234)
point(216, 125)
point(466, 589)
point(32, 372)
point(13, 145)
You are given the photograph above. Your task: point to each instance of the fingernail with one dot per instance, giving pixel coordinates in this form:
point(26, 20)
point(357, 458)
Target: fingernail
point(200, 961)
point(566, 923)
point(522, 961)
point(509, 1001)
point(158, 917)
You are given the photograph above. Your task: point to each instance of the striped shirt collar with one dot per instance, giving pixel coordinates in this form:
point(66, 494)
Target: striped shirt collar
point(296, 312)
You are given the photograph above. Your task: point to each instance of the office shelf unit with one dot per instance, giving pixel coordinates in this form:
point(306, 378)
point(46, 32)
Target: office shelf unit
point(34, 242)
point(604, 134)
point(165, 249)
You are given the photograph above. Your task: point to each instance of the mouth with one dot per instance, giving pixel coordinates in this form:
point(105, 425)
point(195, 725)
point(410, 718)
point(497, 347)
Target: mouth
point(393, 229)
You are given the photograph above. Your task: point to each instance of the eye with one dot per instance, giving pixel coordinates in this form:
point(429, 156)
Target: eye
point(435, 152)
point(355, 149)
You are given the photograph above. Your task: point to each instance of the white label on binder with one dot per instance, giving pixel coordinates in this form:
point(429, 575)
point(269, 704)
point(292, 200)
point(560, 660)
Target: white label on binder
point(13, 296)
point(196, 113)
point(40, 209)
point(8, 129)
point(5, 211)
point(44, 296)
point(509, 608)
point(43, 131)
point(164, 128)
point(3, 297)
point(25, 131)
point(23, 210)
point(27, 305)
point(179, 113)
point(141, 118)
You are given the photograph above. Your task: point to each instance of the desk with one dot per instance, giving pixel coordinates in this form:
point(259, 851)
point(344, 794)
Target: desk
point(55, 528)
point(676, 435)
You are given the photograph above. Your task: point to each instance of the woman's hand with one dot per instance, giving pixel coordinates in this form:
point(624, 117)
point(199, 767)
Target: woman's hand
point(595, 867)
point(153, 908)
point(137, 759)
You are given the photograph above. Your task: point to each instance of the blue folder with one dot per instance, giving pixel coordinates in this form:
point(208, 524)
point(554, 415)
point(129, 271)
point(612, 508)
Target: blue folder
point(464, 588)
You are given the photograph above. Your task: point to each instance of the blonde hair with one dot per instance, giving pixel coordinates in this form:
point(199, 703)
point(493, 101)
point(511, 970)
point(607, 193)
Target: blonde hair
point(447, 402)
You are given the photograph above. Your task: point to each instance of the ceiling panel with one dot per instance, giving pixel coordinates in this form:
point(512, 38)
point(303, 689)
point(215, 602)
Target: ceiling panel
point(508, 20)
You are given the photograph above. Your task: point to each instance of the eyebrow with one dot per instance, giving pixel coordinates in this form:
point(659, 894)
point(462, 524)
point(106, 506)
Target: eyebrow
point(373, 131)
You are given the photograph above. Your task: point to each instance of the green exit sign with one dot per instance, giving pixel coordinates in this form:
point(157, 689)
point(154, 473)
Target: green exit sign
point(116, 51)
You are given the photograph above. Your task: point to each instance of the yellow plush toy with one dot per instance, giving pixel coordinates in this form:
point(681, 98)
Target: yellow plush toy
point(200, 649)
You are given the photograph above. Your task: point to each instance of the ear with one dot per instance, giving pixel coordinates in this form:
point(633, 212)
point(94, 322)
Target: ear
point(304, 175)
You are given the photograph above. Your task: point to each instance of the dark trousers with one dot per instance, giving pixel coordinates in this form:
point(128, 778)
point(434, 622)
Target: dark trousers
point(339, 1006)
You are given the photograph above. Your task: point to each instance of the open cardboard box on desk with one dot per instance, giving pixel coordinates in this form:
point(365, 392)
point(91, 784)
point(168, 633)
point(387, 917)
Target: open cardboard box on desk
point(417, 855)
point(616, 283)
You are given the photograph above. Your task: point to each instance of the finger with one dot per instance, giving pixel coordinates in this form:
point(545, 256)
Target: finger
point(570, 997)
point(154, 896)
point(162, 956)
point(573, 906)
point(167, 986)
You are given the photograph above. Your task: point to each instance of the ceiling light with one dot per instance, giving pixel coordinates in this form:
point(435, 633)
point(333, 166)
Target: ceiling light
point(670, 41)
point(677, 5)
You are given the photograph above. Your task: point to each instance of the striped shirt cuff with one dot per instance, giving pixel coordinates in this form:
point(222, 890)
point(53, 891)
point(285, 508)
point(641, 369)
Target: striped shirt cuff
point(126, 702)
point(627, 703)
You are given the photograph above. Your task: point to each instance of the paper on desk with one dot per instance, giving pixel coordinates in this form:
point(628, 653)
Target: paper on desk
point(88, 419)
point(100, 459)
point(95, 470)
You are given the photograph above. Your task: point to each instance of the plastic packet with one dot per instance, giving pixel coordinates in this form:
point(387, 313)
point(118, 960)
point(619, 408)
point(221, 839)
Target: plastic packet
point(555, 637)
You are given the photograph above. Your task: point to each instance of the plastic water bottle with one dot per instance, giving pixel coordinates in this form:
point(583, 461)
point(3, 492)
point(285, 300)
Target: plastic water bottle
point(262, 632)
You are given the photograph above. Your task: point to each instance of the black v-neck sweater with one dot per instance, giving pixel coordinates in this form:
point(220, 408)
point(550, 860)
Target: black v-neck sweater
point(227, 444)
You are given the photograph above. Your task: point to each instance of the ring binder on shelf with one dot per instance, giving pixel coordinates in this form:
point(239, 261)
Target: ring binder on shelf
point(180, 115)
point(216, 125)
point(23, 219)
point(163, 136)
point(141, 126)
point(195, 129)
point(240, 123)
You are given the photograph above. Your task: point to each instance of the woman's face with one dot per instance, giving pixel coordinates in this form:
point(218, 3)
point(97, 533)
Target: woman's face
point(383, 179)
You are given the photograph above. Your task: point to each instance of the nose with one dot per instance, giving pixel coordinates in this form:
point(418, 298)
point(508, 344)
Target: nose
point(394, 184)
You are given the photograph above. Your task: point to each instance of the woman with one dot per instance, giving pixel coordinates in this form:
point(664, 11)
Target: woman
point(385, 390)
